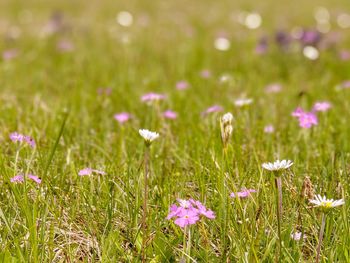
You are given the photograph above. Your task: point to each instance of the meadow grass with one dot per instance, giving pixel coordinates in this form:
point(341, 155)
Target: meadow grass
point(52, 96)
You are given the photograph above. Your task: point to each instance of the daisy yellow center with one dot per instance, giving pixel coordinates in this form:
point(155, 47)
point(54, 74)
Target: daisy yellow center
point(326, 204)
point(186, 217)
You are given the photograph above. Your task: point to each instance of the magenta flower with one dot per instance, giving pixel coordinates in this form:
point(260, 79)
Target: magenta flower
point(243, 193)
point(90, 171)
point(170, 115)
point(17, 137)
point(269, 129)
point(322, 106)
point(122, 117)
point(188, 212)
point(150, 97)
point(182, 85)
point(298, 112)
point(34, 178)
point(214, 108)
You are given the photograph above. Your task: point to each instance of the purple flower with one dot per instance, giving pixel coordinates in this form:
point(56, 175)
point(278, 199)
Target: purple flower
point(262, 46)
point(310, 37)
point(122, 117)
point(34, 178)
point(186, 217)
point(211, 109)
point(182, 85)
point(149, 97)
point(17, 137)
point(344, 55)
point(243, 193)
point(298, 112)
point(283, 39)
point(322, 106)
point(90, 171)
point(170, 115)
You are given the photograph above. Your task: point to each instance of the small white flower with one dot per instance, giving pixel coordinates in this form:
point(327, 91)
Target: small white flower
point(278, 165)
point(149, 136)
point(222, 44)
point(243, 102)
point(325, 203)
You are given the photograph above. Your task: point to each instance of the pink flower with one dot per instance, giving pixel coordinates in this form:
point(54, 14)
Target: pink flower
point(205, 73)
point(122, 117)
point(65, 46)
point(90, 171)
point(273, 88)
point(182, 85)
point(307, 120)
point(17, 137)
point(322, 106)
point(214, 108)
point(17, 179)
point(344, 55)
point(269, 129)
point(298, 112)
point(10, 54)
point(189, 212)
point(20, 178)
point(34, 178)
point(170, 115)
point(186, 217)
point(243, 193)
point(149, 97)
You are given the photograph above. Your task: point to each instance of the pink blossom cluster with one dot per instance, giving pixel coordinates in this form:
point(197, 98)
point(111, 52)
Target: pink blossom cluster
point(20, 178)
point(90, 171)
point(17, 137)
point(149, 97)
point(188, 212)
point(243, 193)
point(309, 119)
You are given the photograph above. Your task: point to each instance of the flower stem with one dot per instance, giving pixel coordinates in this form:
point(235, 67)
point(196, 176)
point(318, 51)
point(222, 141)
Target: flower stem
point(278, 182)
point(320, 237)
point(189, 245)
point(144, 208)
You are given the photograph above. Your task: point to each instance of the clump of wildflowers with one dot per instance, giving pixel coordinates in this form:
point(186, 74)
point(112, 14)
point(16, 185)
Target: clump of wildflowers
point(189, 212)
point(17, 137)
point(20, 178)
point(306, 119)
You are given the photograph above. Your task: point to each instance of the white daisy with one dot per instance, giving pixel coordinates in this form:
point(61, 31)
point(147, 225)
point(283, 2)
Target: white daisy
point(323, 202)
point(149, 136)
point(278, 165)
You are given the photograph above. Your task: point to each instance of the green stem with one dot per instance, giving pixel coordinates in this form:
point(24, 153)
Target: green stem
point(145, 198)
point(320, 237)
point(278, 182)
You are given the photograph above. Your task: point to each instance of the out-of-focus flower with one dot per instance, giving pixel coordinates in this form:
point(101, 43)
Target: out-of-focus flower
point(122, 117)
point(65, 46)
point(322, 106)
point(182, 85)
point(104, 91)
point(262, 46)
point(243, 102)
point(269, 129)
point(222, 44)
point(273, 88)
point(311, 52)
point(211, 109)
point(283, 39)
point(124, 18)
point(17, 137)
point(297, 236)
point(168, 114)
point(148, 136)
point(90, 171)
point(226, 128)
point(344, 55)
point(310, 38)
point(306, 119)
point(205, 73)
point(150, 97)
point(277, 165)
point(243, 193)
point(9, 54)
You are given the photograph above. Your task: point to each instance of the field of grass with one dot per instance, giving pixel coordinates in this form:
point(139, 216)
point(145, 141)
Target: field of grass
point(68, 67)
